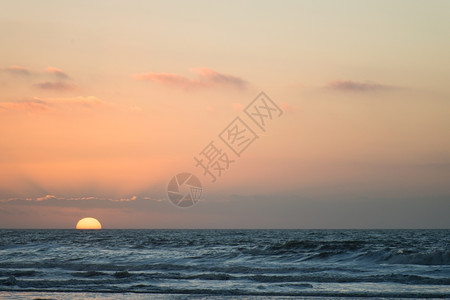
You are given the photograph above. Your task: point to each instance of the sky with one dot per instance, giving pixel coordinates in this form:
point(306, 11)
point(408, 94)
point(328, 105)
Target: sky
point(103, 102)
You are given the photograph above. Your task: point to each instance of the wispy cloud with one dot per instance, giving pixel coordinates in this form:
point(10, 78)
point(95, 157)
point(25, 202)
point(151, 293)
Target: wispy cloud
point(24, 71)
point(81, 198)
point(212, 77)
point(34, 104)
point(165, 78)
point(56, 86)
point(56, 83)
point(46, 197)
point(289, 108)
point(56, 72)
point(210, 109)
point(48, 104)
point(133, 198)
point(355, 86)
point(16, 70)
point(206, 78)
point(89, 101)
point(52, 200)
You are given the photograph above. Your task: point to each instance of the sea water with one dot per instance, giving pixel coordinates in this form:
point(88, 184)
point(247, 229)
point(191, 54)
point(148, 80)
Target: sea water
point(229, 264)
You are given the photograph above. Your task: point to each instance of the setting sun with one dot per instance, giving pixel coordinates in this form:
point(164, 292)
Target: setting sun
point(89, 223)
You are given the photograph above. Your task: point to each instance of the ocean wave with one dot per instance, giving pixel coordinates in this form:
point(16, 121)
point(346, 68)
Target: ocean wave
point(18, 273)
point(115, 279)
point(394, 278)
point(88, 274)
point(439, 257)
point(230, 262)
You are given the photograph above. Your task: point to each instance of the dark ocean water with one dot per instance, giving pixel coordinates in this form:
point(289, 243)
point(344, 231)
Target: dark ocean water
point(225, 263)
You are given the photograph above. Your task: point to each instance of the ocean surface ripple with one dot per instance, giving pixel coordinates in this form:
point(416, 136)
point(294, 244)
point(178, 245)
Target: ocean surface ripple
point(238, 263)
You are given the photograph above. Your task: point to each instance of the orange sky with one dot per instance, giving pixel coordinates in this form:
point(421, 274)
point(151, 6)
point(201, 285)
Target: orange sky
point(102, 103)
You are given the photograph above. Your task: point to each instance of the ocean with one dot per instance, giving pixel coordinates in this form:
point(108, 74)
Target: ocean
point(226, 264)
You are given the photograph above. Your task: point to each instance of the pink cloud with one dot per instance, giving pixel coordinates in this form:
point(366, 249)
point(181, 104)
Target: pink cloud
point(23, 71)
point(355, 86)
point(46, 197)
point(210, 109)
point(165, 78)
point(56, 72)
point(49, 104)
point(213, 77)
point(17, 70)
point(56, 86)
point(35, 104)
point(206, 78)
point(89, 101)
point(126, 199)
point(289, 108)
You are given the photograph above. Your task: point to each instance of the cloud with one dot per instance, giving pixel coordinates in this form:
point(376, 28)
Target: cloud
point(27, 105)
point(211, 76)
point(46, 197)
point(56, 86)
point(165, 78)
point(88, 101)
point(57, 83)
point(52, 200)
point(354, 86)
point(23, 71)
point(154, 199)
point(206, 78)
point(125, 199)
point(47, 104)
point(289, 108)
point(56, 72)
point(81, 198)
point(17, 70)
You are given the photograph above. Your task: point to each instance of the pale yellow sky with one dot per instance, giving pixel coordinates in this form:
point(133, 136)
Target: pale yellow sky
point(108, 100)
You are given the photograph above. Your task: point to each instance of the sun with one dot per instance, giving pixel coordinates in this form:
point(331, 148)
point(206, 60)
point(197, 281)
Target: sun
point(89, 223)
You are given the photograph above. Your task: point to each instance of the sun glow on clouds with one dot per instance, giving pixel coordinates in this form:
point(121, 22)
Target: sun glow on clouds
point(57, 72)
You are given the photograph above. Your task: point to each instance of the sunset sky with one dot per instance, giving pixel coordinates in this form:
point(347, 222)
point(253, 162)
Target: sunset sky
point(102, 102)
